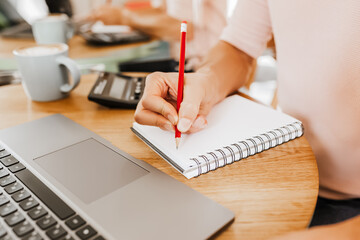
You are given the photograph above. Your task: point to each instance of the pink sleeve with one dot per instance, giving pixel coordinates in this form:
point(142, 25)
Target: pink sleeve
point(180, 9)
point(249, 28)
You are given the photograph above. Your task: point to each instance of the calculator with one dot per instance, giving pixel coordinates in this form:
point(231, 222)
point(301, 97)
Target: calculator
point(116, 90)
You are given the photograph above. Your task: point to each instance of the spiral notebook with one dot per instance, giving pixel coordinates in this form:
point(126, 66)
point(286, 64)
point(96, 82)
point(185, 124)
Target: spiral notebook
point(237, 128)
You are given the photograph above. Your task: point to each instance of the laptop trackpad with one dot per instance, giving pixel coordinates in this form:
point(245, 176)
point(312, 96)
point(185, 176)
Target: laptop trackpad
point(90, 170)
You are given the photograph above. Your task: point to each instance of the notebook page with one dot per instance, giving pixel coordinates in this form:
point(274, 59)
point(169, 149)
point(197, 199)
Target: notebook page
point(230, 121)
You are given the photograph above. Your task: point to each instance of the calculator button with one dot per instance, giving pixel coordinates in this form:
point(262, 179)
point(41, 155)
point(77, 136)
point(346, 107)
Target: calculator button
point(19, 196)
point(14, 219)
point(37, 212)
point(86, 232)
point(8, 161)
point(16, 168)
point(46, 222)
point(7, 209)
point(28, 204)
point(14, 187)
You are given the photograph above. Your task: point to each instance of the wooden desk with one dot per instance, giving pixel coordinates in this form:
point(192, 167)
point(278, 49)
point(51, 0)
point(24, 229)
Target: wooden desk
point(270, 193)
point(77, 47)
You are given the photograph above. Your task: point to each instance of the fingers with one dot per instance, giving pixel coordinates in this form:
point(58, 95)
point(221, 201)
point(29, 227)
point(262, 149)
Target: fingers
point(159, 105)
point(159, 88)
point(153, 108)
point(199, 124)
point(147, 117)
point(190, 106)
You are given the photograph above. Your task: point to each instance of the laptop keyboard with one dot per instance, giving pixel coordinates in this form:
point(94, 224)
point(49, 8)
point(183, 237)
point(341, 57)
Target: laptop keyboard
point(29, 210)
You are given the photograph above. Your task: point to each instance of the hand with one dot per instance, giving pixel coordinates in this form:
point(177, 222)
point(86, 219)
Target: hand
point(346, 230)
point(157, 107)
point(108, 14)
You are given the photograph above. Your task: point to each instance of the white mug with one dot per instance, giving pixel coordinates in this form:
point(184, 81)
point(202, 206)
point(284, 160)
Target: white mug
point(54, 28)
point(44, 70)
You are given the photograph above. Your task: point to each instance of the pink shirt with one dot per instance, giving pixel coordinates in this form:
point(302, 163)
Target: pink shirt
point(318, 52)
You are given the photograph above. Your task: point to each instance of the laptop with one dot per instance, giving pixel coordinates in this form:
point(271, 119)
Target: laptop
point(62, 181)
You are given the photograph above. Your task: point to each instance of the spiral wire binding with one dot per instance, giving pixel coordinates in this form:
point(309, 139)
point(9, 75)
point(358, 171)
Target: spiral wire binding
point(257, 144)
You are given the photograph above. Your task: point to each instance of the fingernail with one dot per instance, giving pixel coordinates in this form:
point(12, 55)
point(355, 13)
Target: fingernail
point(199, 123)
point(172, 119)
point(168, 126)
point(184, 124)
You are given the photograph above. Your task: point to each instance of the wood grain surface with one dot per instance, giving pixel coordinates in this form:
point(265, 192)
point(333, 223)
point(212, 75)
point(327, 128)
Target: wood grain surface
point(270, 193)
point(77, 47)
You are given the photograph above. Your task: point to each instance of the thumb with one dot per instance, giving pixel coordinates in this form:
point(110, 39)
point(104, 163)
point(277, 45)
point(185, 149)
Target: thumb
point(189, 108)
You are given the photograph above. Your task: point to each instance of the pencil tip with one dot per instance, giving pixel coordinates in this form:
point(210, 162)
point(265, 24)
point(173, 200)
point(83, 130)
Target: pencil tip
point(177, 142)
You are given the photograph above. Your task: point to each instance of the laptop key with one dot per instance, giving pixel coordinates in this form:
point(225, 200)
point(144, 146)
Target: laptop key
point(32, 236)
point(8, 161)
point(2, 231)
point(28, 204)
point(56, 232)
point(99, 238)
point(1, 148)
point(16, 168)
point(46, 222)
point(14, 187)
point(67, 237)
point(3, 199)
point(14, 218)
point(4, 153)
point(75, 222)
point(51, 200)
point(37, 213)
point(7, 237)
point(7, 180)
point(23, 228)
point(7, 209)
point(3, 173)
point(19, 196)
point(86, 232)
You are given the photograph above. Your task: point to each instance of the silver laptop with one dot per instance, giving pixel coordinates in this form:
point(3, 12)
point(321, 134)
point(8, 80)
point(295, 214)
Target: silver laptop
point(62, 181)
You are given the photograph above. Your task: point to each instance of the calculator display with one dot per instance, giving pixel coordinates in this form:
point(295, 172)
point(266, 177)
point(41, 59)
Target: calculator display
point(117, 88)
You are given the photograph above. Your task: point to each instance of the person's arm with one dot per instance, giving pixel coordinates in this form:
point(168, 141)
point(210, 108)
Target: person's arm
point(347, 230)
point(224, 70)
point(156, 22)
point(153, 21)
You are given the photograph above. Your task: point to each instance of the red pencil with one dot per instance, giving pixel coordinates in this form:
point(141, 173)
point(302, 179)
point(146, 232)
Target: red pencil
point(181, 76)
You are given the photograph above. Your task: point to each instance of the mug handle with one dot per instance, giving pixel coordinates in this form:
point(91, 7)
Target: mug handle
point(74, 71)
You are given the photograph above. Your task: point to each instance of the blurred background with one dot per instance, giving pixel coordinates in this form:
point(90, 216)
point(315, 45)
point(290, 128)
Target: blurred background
point(16, 17)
